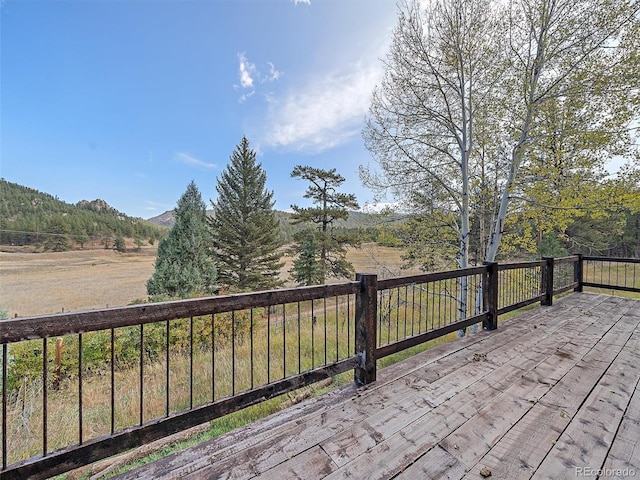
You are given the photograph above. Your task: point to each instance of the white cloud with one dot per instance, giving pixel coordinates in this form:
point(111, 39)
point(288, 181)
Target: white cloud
point(249, 75)
point(244, 96)
point(324, 106)
point(328, 112)
point(192, 161)
point(273, 73)
point(246, 69)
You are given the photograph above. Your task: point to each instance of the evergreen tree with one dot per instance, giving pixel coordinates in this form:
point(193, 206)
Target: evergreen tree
point(83, 239)
point(119, 244)
point(244, 226)
point(185, 265)
point(139, 242)
point(330, 206)
point(58, 239)
point(306, 267)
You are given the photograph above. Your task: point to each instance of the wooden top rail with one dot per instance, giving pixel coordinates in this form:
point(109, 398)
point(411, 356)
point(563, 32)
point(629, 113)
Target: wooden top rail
point(513, 266)
point(610, 259)
point(429, 277)
point(45, 326)
point(569, 259)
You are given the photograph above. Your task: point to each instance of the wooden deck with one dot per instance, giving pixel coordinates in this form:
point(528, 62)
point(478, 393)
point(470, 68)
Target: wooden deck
point(553, 393)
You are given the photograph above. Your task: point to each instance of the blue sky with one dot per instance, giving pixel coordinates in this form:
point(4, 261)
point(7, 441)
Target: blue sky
point(130, 100)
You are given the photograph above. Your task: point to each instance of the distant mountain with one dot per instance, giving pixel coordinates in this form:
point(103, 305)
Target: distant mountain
point(31, 217)
point(357, 220)
point(166, 219)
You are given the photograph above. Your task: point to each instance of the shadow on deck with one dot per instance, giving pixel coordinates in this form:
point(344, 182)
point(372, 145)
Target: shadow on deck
point(552, 394)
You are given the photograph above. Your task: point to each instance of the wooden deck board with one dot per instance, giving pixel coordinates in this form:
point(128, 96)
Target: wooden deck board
point(443, 465)
point(524, 447)
point(553, 389)
point(516, 455)
point(481, 433)
point(369, 432)
point(587, 439)
point(625, 451)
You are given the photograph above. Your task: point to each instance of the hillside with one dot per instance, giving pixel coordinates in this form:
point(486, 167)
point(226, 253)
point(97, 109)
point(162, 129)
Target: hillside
point(30, 217)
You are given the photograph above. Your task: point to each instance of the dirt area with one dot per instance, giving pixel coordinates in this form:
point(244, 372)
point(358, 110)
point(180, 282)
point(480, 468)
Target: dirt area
point(44, 283)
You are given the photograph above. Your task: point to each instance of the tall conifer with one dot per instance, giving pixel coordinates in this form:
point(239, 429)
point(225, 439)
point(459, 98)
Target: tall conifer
point(185, 264)
point(244, 226)
point(330, 206)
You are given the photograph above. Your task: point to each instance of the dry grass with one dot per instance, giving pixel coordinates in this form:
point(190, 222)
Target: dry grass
point(235, 370)
point(41, 283)
point(44, 283)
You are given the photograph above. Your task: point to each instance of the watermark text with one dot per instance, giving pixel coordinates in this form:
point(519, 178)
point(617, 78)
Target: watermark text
point(626, 472)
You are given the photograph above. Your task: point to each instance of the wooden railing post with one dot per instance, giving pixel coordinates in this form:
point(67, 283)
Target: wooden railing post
point(547, 281)
point(490, 295)
point(578, 274)
point(366, 331)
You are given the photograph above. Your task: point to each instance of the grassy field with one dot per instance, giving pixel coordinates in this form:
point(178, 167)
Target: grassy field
point(40, 283)
point(44, 283)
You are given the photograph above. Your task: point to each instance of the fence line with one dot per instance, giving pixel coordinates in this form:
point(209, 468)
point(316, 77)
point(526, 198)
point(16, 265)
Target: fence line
point(611, 273)
point(199, 359)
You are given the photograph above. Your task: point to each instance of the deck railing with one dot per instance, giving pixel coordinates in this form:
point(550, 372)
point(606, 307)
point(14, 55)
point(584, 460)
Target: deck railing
point(79, 387)
point(611, 273)
point(412, 310)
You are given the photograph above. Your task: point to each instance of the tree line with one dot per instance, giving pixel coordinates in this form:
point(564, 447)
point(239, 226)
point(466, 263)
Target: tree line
point(238, 247)
point(495, 120)
point(31, 217)
point(237, 244)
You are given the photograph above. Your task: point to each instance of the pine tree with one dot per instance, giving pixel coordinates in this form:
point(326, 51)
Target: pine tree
point(185, 264)
point(331, 205)
point(306, 267)
point(120, 244)
point(58, 239)
point(244, 226)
